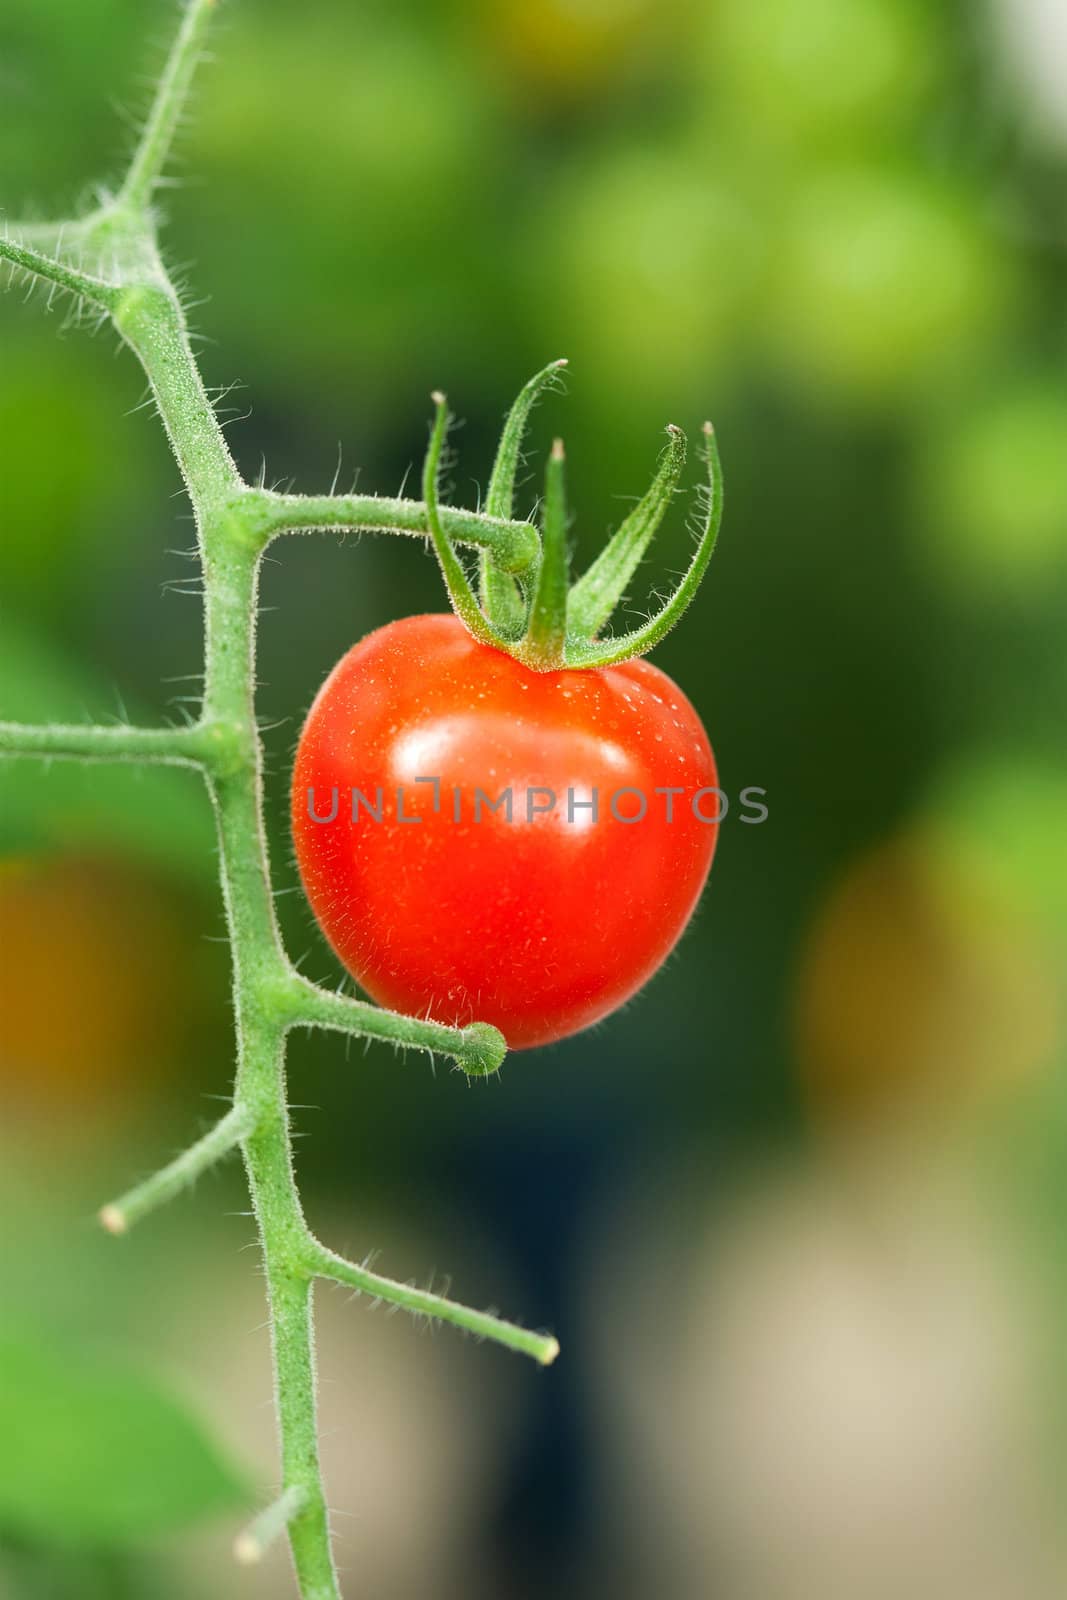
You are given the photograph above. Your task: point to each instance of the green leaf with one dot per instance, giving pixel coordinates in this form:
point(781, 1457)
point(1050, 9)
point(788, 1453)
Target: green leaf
point(96, 1454)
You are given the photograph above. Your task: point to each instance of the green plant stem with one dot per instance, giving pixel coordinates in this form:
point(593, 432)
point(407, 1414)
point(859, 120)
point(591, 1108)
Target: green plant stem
point(170, 1180)
point(285, 1236)
point(54, 741)
point(515, 546)
point(543, 1347)
point(155, 143)
point(151, 321)
point(480, 1046)
point(85, 285)
point(234, 523)
point(294, 1362)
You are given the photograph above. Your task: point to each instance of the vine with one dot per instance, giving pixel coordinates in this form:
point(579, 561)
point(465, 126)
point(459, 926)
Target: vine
point(110, 262)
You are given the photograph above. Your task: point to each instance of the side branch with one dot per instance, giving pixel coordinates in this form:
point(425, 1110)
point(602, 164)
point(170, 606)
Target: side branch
point(54, 741)
point(273, 1520)
point(95, 290)
point(163, 119)
point(515, 546)
point(543, 1347)
point(478, 1048)
point(170, 1180)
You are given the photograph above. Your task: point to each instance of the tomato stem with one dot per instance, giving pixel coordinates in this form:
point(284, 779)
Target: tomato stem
point(514, 547)
point(483, 1324)
point(153, 148)
point(96, 292)
point(226, 1135)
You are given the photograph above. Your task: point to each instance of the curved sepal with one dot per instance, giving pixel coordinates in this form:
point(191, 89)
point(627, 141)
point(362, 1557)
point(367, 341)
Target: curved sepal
point(546, 637)
point(599, 590)
point(502, 597)
point(623, 647)
point(462, 596)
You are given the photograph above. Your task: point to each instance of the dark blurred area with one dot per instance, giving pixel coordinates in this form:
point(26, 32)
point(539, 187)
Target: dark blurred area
point(799, 1215)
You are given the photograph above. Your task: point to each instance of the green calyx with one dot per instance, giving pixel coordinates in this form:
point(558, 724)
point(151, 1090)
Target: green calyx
point(535, 613)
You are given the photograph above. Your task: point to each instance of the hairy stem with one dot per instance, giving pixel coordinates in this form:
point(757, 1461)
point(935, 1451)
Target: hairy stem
point(83, 284)
point(225, 1136)
point(230, 573)
point(54, 741)
point(154, 146)
point(268, 1158)
point(477, 1047)
point(514, 545)
point(151, 321)
point(483, 1324)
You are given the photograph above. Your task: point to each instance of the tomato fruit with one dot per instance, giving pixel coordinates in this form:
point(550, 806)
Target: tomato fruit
point(439, 905)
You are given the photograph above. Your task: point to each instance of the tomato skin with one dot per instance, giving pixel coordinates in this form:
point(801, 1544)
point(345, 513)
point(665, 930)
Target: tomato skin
point(540, 926)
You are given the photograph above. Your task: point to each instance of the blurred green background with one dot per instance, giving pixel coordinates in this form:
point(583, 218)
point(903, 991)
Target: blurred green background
point(799, 1216)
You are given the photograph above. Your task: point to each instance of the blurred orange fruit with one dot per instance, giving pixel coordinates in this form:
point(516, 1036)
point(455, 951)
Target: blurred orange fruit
point(566, 47)
point(90, 980)
point(921, 984)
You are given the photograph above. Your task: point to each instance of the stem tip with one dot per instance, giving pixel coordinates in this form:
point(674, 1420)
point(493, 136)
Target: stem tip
point(247, 1550)
point(549, 1354)
point(485, 1050)
point(113, 1220)
point(557, 450)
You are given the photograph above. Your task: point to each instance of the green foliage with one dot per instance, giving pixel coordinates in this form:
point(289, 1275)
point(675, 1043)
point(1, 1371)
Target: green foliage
point(882, 277)
point(827, 70)
point(995, 486)
point(94, 1454)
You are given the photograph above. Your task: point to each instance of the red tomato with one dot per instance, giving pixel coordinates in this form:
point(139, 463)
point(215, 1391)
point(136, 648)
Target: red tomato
point(541, 924)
